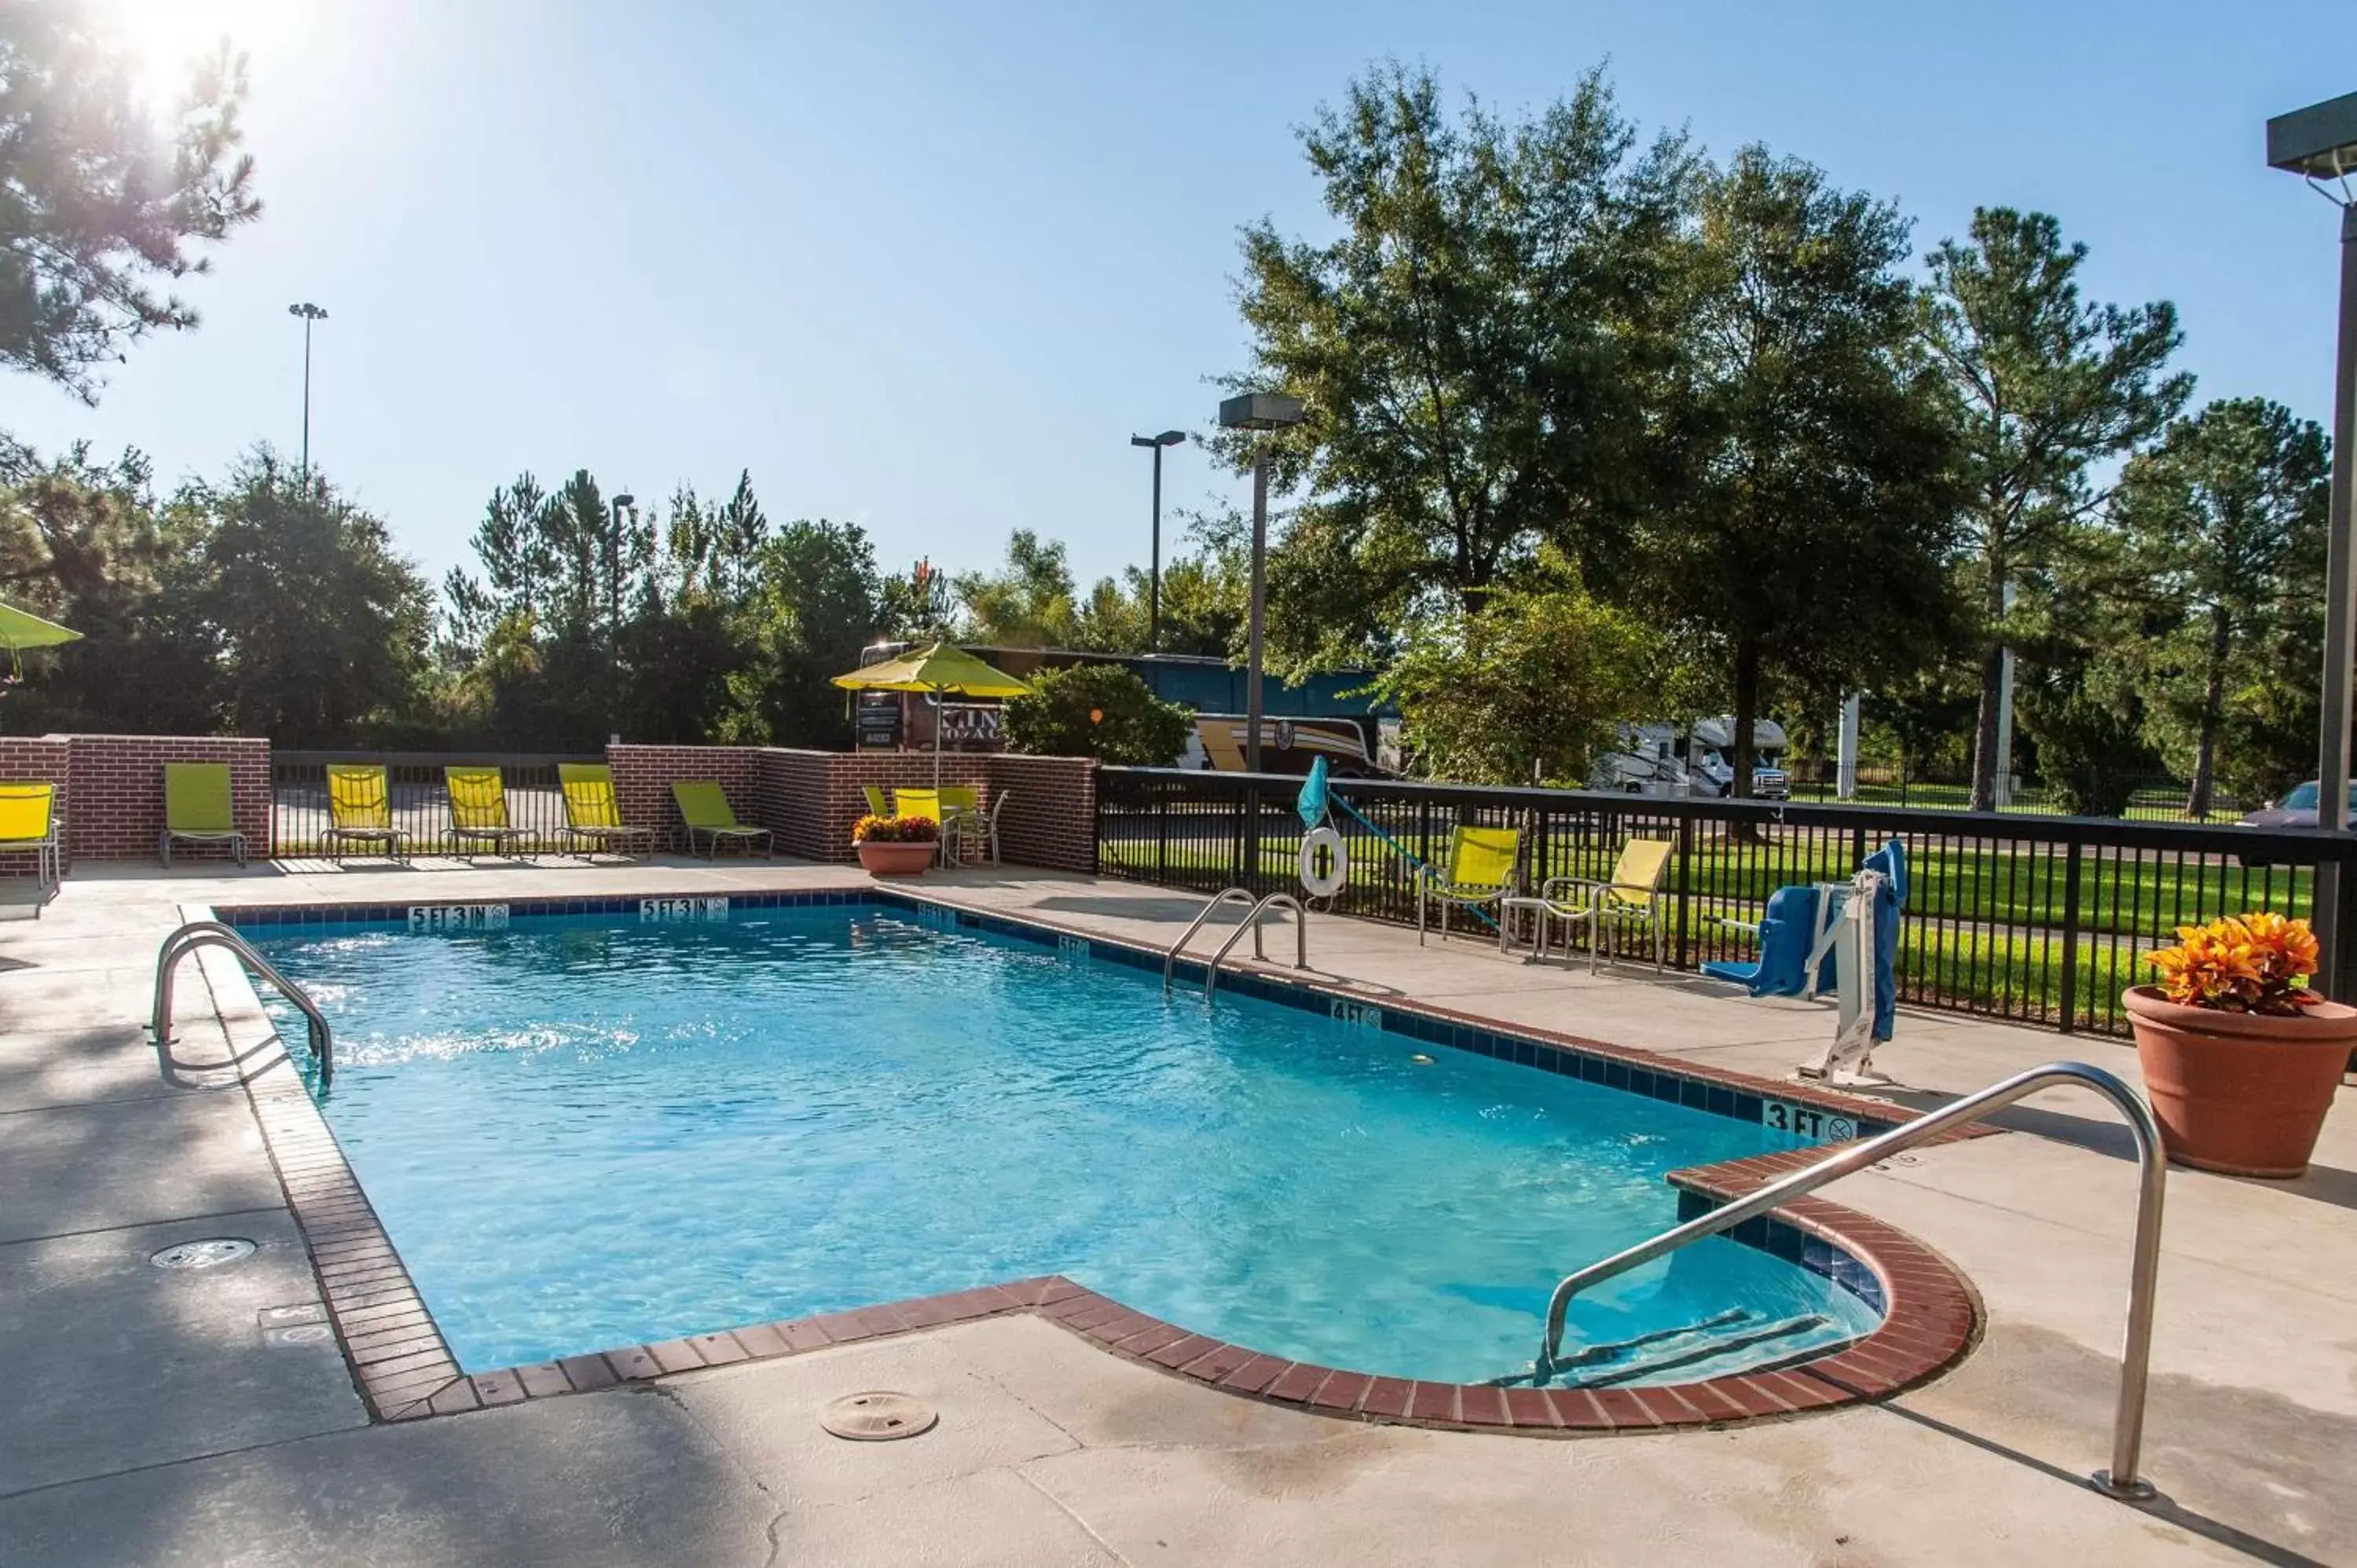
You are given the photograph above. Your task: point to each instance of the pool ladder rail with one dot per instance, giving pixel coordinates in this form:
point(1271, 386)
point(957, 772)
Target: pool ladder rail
point(1252, 922)
point(2120, 1480)
point(212, 933)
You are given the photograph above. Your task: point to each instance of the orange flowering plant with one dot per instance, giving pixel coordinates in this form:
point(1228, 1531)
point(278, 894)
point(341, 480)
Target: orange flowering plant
point(896, 829)
point(2241, 964)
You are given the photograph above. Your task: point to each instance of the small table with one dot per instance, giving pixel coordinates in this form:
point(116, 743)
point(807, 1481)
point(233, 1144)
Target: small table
point(1542, 911)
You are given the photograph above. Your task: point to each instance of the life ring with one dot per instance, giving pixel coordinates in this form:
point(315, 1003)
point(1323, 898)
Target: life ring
point(1337, 866)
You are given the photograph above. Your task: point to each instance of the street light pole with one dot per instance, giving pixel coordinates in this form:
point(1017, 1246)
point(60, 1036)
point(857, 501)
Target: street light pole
point(614, 597)
point(309, 313)
point(1154, 575)
point(1260, 412)
point(2320, 144)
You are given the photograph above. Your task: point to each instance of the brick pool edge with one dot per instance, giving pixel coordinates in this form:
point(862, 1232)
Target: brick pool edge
point(404, 1371)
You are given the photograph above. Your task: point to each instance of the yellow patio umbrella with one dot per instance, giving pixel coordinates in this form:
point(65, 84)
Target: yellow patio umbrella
point(20, 629)
point(937, 670)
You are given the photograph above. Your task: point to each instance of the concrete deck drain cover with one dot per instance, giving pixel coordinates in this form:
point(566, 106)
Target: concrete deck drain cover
point(877, 1417)
point(204, 1254)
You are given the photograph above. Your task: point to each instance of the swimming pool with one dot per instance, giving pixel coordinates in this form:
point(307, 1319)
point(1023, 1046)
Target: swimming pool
point(586, 1131)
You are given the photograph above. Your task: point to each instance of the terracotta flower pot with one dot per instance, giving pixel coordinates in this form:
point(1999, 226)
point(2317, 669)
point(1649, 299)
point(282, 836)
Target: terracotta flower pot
point(896, 859)
point(2240, 1092)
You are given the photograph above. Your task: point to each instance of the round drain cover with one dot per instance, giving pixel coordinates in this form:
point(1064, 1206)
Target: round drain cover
point(203, 1255)
point(877, 1417)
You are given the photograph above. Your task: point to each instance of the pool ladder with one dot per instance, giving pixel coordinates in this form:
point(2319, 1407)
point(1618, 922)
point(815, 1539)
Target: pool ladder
point(2121, 1479)
point(212, 933)
point(1252, 922)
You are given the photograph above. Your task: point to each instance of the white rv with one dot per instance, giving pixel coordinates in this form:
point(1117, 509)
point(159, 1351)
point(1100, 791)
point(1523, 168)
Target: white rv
point(1685, 760)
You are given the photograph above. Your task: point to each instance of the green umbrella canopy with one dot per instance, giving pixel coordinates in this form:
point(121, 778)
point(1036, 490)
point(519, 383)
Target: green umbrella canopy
point(22, 628)
point(939, 668)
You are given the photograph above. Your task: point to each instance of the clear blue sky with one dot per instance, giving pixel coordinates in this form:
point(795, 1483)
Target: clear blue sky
point(926, 266)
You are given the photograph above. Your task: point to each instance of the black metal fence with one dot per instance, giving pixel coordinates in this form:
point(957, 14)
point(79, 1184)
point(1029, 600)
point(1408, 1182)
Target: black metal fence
point(420, 797)
point(2031, 920)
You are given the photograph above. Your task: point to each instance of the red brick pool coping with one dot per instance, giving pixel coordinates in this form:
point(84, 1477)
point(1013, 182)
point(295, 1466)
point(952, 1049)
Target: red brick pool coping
point(405, 1369)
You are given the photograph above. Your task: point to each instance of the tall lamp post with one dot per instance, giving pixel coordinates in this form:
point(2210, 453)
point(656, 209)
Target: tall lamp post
point(2320, 144)
point(1257, 411)
point(1154, 576)
point(614, 595)
point(309, 313)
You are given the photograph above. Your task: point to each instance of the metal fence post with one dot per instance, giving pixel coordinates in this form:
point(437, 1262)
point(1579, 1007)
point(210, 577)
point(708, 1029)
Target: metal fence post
point(1250, 872)
point(2071, 880)
point(1685, 884)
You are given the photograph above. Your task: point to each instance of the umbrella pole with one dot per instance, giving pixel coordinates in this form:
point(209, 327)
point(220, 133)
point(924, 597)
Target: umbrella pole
point(939, 712)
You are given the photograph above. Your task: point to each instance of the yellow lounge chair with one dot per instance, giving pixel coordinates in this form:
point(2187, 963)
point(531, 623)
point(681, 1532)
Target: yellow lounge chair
point(29, 823)
point(1481, 871)
point(360, 808)
point(1631, 896)
point(592, 814)
point(704, 806)
point(197, 807)
point(479, 809)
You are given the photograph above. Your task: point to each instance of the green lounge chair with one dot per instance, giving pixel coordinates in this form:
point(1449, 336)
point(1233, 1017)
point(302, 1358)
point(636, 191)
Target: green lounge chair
point(197, 807)
point(1481, 871)
point(479, 809)
point(29, 823)
point(592, 814)
point(360, 808)
point(876, 805)
point(704, 806)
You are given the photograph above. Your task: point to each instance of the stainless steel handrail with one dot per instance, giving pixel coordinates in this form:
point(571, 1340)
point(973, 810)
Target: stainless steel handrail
point(1260, 948)
point(1224, 896)
point(2136, 1353)
point(213, 933)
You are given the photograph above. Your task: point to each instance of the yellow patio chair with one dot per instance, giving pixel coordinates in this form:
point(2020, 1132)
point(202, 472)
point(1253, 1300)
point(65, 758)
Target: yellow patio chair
point(360, 808)
point(479, 809)
point(877, 806)
point(925, 803)
point(959, 804)
point(1631, 896)
point(704, 806)
point(593, 815)
point(29, 823)
point(197, 807)
point(1481, 872)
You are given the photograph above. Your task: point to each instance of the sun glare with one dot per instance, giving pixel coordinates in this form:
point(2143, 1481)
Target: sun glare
point(164, 39)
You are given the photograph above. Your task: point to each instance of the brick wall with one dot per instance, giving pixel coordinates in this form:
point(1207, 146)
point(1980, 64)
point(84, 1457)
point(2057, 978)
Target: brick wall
point(1051, 816)
point(33, 760)
point(644, 776)
point(111, 788)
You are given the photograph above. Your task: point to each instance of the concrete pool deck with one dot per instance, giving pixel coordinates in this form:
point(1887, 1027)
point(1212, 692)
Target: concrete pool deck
point(185, 1416)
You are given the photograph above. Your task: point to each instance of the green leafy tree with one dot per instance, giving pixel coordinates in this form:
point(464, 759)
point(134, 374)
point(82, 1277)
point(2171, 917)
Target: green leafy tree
point(322, 625)
point(1102, 711)
point(85, 544)
point(1809, 533)
point(2045, 388)
point(813, 604)
point(98, 201)
point(1527, 688)
point(1026, 603)
point(1474, 349)
point(2222, 532)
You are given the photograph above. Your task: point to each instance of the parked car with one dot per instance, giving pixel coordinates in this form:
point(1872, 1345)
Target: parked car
point(2295, 810)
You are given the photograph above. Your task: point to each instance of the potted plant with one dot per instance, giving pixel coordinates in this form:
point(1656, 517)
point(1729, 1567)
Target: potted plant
point(895, 846)
point(2240, 1057)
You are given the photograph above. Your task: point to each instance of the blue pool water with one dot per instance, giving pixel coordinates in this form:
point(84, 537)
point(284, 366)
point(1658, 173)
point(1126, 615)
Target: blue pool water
point(583, 1133)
